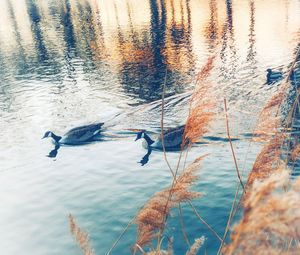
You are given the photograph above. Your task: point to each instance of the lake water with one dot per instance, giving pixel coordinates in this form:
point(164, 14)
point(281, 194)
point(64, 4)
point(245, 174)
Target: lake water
point(68, 63)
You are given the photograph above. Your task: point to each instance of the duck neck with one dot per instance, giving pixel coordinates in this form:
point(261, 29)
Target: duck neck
point(55, 137)
point(148, 139)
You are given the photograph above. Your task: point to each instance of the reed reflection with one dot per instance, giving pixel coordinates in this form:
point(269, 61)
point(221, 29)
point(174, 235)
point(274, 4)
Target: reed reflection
point(144, 53)
point(228, 53)
point(35, 18)
point(21, 61)
point(212, 29)
point(88, 40)
point(144, 62)
point(251, 55)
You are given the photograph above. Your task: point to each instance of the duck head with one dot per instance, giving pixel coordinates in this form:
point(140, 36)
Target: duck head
point(47, 134)
point(51, 134)
point(140, 135)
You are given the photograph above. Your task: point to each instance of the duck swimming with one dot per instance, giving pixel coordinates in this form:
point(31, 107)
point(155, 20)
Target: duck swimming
point(78, 135)
point(172, 139)
point(273, 76)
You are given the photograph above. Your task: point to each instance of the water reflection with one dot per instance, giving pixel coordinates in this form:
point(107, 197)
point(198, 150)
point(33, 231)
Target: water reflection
point(212, 29)
point(145, 158)
point(35, 18)
point(53, 153)
point(86, 29)
point(251, 55)
point(228, 52)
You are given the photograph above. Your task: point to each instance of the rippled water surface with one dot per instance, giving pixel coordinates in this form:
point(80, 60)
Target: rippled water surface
point(68, 63)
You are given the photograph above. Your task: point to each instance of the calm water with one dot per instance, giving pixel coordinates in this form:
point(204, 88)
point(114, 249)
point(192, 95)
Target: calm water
point(67, 63)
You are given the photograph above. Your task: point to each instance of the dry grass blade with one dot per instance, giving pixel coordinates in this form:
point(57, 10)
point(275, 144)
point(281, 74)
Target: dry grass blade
point(151, 218)
point(271, 218)
point(81, 237)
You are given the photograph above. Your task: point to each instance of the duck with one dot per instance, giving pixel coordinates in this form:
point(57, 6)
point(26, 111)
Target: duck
point(78, 135)
point(172, 139)
point(273, 76)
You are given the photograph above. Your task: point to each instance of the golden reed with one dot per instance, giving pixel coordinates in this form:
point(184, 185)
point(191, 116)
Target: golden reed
point(81, 237)
point(151, 218)
point(271, 221)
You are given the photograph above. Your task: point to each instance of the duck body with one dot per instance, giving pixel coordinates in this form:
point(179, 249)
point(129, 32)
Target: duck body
point(273, 76)
point(172, 139)
point(78, 135)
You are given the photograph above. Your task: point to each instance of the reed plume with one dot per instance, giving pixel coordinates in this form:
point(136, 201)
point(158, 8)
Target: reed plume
point(151, 218)
point(271, 218)
point(269, 118)
point(268, 159)
point(196, 246)
point(192, 250)
point(161, 252)
point(201, 104)
point(81, 237)
point(206, 69)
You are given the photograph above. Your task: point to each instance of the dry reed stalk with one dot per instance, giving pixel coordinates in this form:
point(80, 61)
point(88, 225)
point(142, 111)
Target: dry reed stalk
point(204, 222)
point(120, 236)
point(190, 132)
point(185, 237)
point(82, 238)
point(196, 246)
point(162, 124)
point(271, 218)
point(234, 206)
point(151, 218)
point(268, 159)
point(231, 146)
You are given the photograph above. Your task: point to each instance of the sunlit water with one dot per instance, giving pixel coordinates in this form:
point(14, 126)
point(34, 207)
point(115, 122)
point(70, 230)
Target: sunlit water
point(67, 63)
